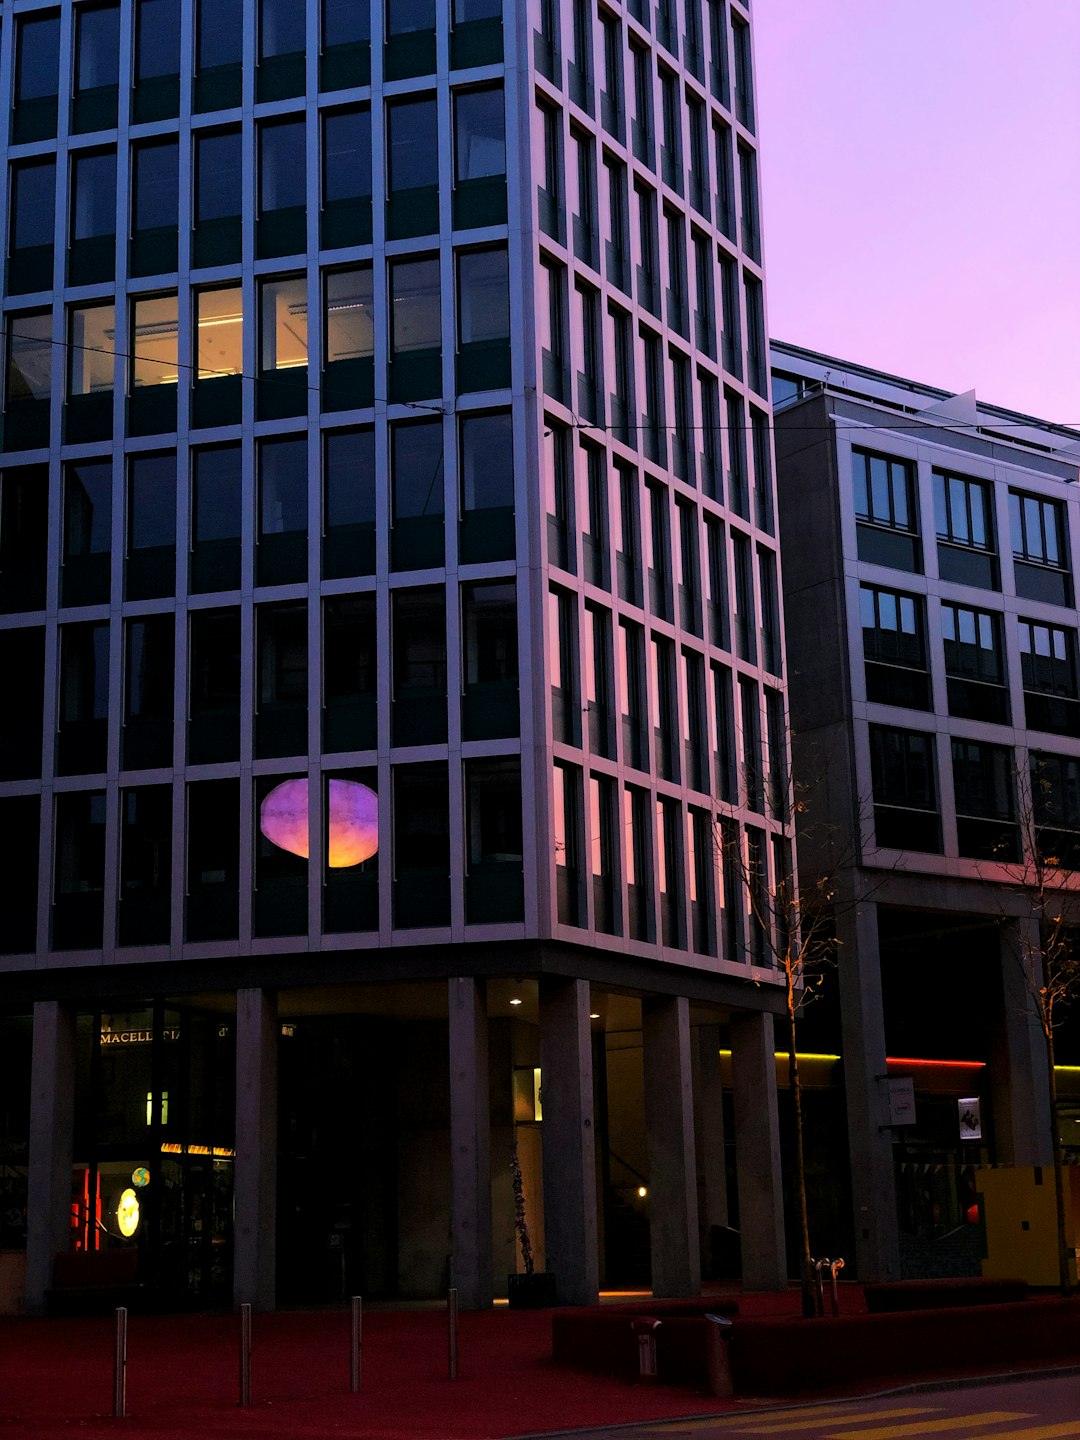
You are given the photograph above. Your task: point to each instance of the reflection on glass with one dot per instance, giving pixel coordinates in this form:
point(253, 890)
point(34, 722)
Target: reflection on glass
point(97, 46)
point(479, 135)
point(284, 340)
point(29, 357)
point(350, 314)
point(483, 296)
point(154, 340)
point(93, 349)
point(219, 324)
point(414, 301)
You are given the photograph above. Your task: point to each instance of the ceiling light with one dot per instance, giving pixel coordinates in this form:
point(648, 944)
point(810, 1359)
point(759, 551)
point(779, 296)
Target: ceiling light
point(515, 1001)
point(594, 1015)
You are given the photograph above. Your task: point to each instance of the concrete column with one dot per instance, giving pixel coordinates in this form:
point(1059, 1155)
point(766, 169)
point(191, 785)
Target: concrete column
point(52, 1124)
point(1022, 1122)
point(757, 1152)
point(255, 1184)
point(470, 1144)
point(570, 1230)
point(873, 1183)
point(669, 1129)
point(709, 1140)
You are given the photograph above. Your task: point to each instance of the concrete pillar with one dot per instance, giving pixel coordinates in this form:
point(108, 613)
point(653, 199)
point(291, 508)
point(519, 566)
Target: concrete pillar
point(757, 1152)
point(255, 1183)
point(470, 1144)
point(569, 1153)
point(1022, 1122)
point(669, 1130)
point(709, 1140)
point(873, 1183)
point(52, 1123)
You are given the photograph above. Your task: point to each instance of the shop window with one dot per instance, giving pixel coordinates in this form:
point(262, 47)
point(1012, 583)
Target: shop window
point(281, 224)
point(894, 648)
point(476, 33)
point(638, 862)
point(31, 230)
point(479, 158)
point(19, 815)
point(218, 191)
point(348, 503)
point(219, 358)
point(487, 487)
point(567, 825)
point(410, 39)
point(346, 178)
point(281, 556)
point(489, 708)
point(157, 60)
point(350, 892)
point(905, 791)
point(494, 873)
point(212, 896)
point(964, 519)
point(97, 67)
point(1040, 549)
point(79, 871)
point(984, 786)
point(1048, 665)
point(421, 812)
point(563, 667)
point(418, 626)
point(145, 865)
point(155, 209)
point(282, 390)
point(282, 680)
point(417, 495)
point(350, 673)
point(214, 687)
point(885, 511)
point(975, 664)
point(92, 220)
point(412, 169)
point(282, 43)
point(84, 699)
point(280, 902)
point(22, 658)
point(349, 339)
point(87, 540)
point(483, 359)
point(219, 54)
point(24, 511)
point(415, 330)
point(37, 77)
point(216, 518)
point(151, 527)
point(346, 45)
point(146, 741)
point(91, 360)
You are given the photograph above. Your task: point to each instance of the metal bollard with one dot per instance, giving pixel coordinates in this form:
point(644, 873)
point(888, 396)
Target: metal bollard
point(820, 1266)
point(452, 1333)
point(645, 1328)
point(119, 1404)
point(834, 1269)
point(245, 1355)
point(718, 1354)
point(354, 1349)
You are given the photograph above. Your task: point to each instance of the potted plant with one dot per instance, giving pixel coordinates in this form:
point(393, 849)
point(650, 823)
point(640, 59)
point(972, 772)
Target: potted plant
point(527, 1289)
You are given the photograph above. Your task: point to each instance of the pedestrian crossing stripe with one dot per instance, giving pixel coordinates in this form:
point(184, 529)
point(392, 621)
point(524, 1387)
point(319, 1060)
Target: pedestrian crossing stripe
point(916, 1429)
point(765, 1424)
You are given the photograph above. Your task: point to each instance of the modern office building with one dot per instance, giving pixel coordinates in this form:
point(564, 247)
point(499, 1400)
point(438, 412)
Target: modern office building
point(389, 591)
point(932, 546)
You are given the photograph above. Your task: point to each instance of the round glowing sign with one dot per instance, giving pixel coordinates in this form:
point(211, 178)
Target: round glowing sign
point(354, 820)
point(140, 1177)
point(127, 1213)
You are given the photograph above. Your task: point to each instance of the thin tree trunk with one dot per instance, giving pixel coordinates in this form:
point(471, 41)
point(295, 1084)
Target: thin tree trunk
point(1064, 1267)
point(795, 1086)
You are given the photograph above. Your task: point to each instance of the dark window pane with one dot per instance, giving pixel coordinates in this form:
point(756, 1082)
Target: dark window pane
point(405, 16)
point(29, 367)
point(282, 166)
point(157, 185)
point(220, 29)
point(152, 502)
point(345, 23)
point(479, 134)
point(412, 145)
point(282, 486)
point(33, 203)
point(487, 461)
point(37, 65)
point(93, 210)
point(416, 321)
point(483, 296)
point(282, 28)
point(217, 175)
point(217, 497)
point(157, 42)
point(97, 47)
point(347, 155)
point(87, 508)
point(350, 477)
point(418, 469)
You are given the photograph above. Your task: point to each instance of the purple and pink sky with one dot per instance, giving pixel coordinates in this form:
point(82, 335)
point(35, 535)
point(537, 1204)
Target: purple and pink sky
point(921, 190)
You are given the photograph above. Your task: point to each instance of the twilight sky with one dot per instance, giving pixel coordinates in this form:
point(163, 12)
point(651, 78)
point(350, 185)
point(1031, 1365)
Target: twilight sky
point(921, 190)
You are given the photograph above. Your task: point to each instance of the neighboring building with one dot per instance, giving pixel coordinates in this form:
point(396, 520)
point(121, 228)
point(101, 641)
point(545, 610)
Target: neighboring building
point(386, 442)
point(930, 564)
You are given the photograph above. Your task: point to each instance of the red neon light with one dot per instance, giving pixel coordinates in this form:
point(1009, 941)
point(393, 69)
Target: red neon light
point(937, 1064)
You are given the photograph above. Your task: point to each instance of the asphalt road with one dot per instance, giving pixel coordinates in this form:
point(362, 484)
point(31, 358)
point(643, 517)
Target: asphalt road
point(1047, 1408)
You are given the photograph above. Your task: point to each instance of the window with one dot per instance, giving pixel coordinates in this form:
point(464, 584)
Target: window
point(281, 557)
point(412, 169)
point(594, 537)
point(219, 30)
point(346, 178)
point(79, 871)
point(599, 681)
point(617, 243)
point(350, 315)
point(745, 622)
point(92, 349)
point(281, 705)
point(670, 871)
point(658, 550)
point(603, 855)
point(494, 889)
point(664, 708)
point(1040, 553)
point(283, 311)
point(282, 30)
point(418, 623)
point(146, 738)
point(1055, 801)
point(487, 487)
point(156, 180)
point(671, 141)
point(546, 42)
point(157, 60)
point(479, 157)
point(218, 190)
point(757, 372)
point(894, 648)
point(216, 518)
point(145, 865)
point(905, 794)
point(753, 769)
point(611, 94)
point(87, 537)
point(483, 316)
point(350, 673)
point(151, 526)
point(348, 503)
point(29, 359)
point(627, 535)
point(744, 74)
point(587, 334)
point(421, 889)
point(22, 655)
point(282, 166)
point(37, 77)
point(677, 302)
point(84, 699)
point(92, 235)
point(415, 317)
point(963, 512)
point(985, 791)
point(489, 708)
point(688, 569)
point(417, 498)
point(552, 308)
point(563, 667)
point(727, 786)
point(30, 242)
point(641, 122)
point(695, 729)
point(219, 332)
point(712, 450)
point(621, 397)
point(155, 358)
point(974, 664)
point(1048, 665)
point(653, 418)
point(632, 695)
point(583, 198)
point(648, 270)
point(639, 864)
point(213, 860)
point(884, 490)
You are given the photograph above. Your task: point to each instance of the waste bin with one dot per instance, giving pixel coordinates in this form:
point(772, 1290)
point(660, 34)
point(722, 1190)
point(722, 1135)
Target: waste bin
point(718, 1354)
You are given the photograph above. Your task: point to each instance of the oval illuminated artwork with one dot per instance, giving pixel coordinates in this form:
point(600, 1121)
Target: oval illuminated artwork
point(354, 820)
point(127, 1213)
